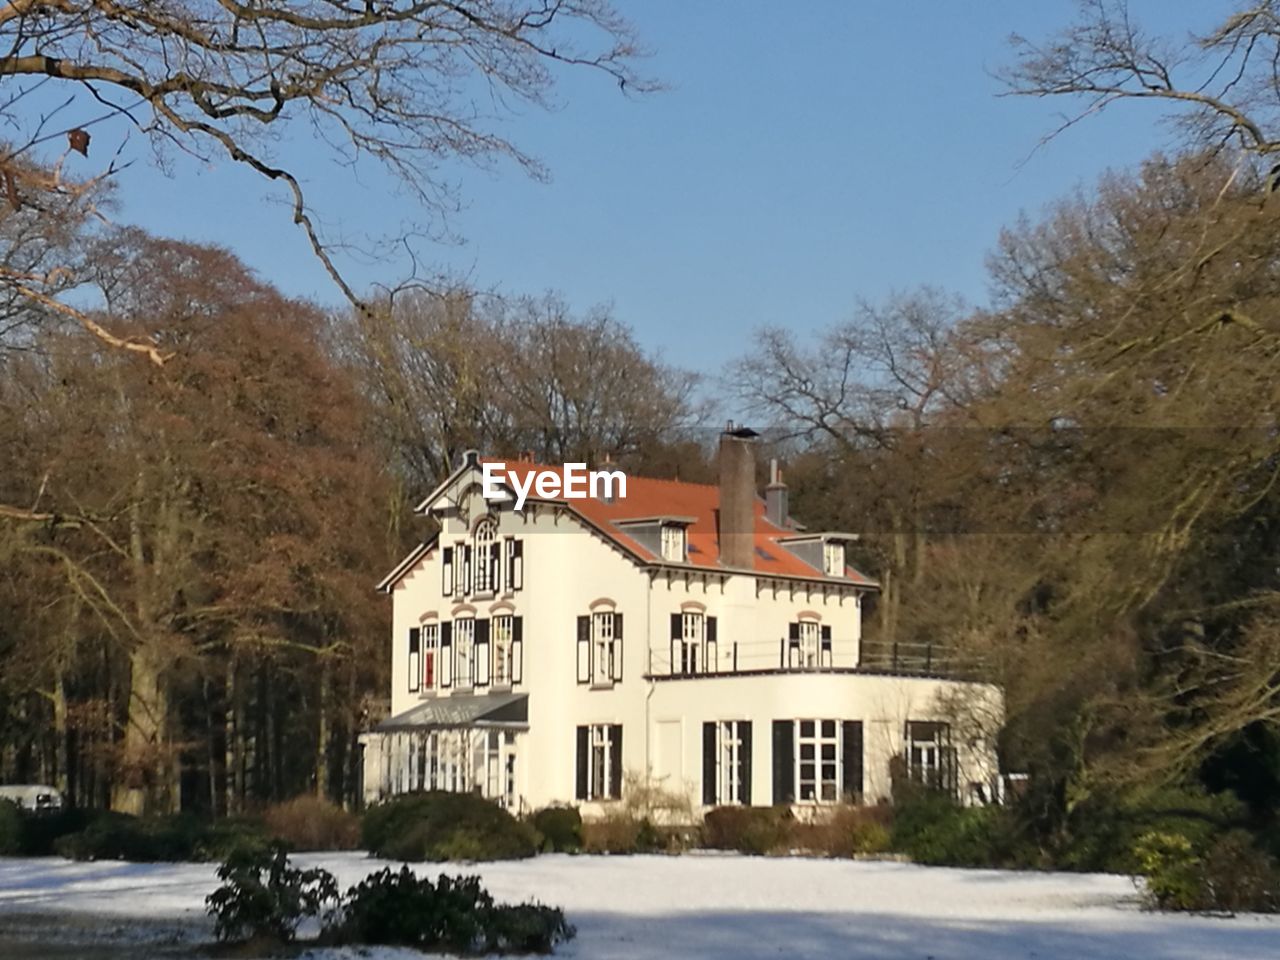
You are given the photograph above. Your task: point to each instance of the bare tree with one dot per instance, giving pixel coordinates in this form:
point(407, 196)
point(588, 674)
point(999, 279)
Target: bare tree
point(406, 84)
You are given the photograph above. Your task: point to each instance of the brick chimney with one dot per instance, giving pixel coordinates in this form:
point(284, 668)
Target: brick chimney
point(775, 497)
point(737, 461)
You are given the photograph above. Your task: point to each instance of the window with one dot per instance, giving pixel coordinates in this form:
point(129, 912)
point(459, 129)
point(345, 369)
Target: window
point(485, 549)
point(462, 569)
point(430, 653)
point(599, 762)
point(693, 643)
point(833, 558)
point(818, 767)
point(501, 637)
point(809, 635)
point(930, 756)
point(817, 761)
point(726, 762)
point(808, 646)
point(515, 565)
point(415, 645)
point(673, 542)
point(464, 634)
point(600, 648)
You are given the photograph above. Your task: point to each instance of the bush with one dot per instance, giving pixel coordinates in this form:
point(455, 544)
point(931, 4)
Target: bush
point(753, 830)
point(446, 826)
point(118, 836)
point(1233, 875)
point(845, 831)
point(622, 832)
point(930, 827)
point(560, 829)
point(455, 914)
point(1103, 833)
point(309, 822)
point(263, 896)
point(11, 829)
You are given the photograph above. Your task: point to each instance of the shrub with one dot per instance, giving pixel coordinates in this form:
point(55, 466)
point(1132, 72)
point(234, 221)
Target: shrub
point(930, 827)
point(118, 836)
point(1103, 832)
point(560, 828)
point(1233, 875)
point(11, 829)
point(845, 831)
point(263, 896)
point(621, 832)
point(753, 830)
point(309, 822)
point(455, 914)
point(446, 826)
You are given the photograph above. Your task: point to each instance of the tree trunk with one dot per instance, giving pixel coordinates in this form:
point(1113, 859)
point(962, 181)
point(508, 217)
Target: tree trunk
point(322, 731)
point(143, 775)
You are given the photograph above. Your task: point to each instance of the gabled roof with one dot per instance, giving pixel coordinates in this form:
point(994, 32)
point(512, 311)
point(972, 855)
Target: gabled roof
point(405, 565)
point(649, 498)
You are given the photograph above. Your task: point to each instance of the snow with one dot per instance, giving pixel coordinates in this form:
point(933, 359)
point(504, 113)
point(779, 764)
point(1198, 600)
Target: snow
point(723, 907)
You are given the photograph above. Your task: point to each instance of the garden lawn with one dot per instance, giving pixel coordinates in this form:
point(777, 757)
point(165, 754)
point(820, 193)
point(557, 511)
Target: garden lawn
point(723, 907)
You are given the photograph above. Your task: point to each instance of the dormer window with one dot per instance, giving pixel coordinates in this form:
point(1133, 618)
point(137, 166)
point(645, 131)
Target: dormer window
point(674, 543)
point(833, 558)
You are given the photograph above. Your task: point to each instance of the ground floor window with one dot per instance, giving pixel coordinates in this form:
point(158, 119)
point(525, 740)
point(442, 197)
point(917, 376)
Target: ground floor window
point(817, 761)
point(930, 757)
point(726, 762)
point(458, 760)
point(599, 762)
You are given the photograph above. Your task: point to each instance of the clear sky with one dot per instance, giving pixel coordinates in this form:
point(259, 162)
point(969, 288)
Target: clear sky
point(804, 155)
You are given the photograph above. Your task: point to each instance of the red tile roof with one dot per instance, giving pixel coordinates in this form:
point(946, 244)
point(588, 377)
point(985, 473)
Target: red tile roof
point(648, 497)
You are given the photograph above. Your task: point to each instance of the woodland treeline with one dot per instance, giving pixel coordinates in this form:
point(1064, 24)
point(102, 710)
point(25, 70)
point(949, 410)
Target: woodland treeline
point(1073, 487)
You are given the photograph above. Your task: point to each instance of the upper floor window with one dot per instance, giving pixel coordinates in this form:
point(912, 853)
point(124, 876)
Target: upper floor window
point(488, 559)
point(600, 648)
point(808, 646)
point(464, 635)
point(693, 643)
point(515, 564)
point(673, 543)
point(501, 636)
point(833, 558)
point(430, 653)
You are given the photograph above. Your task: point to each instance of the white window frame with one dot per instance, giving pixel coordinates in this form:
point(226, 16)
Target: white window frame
point(603, 647)
point(674, 543)
point(482, 540)
point(464, 649)
point(833, 558)
point(810, 643)
point(728, 762)
point(693, 635)
point(501, 635)
point(824, 789)
point(430, 655)
point(599, 767)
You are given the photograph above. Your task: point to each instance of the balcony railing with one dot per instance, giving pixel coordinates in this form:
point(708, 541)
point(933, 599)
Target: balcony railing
point(786, 656)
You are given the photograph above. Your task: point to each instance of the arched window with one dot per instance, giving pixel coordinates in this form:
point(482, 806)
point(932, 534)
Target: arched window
point(488, 562)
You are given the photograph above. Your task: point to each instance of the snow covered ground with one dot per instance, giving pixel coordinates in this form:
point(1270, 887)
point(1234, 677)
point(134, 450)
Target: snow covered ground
point(722, 907)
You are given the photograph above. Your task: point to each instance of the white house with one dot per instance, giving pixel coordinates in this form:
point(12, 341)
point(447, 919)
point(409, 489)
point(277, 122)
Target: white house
point(688, 634)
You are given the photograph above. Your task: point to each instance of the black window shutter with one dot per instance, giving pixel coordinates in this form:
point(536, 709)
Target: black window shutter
point(711, 629)
point(826, 636)
point(711, 659)
point(851, 760)
point(793, 632)
point(584, 649)
point(466, 569)
point(517, 649)
point(446, 568)
point(677, 626)
point(784, 762)
point(617, 648)
point(584, 754)
point(744, 735)
point(708, 764)
point(415, 660)
point(480, 656)
point(446, 654)
point(615, 761)
point(515, 565)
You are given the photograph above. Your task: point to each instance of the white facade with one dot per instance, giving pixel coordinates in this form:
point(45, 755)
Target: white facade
point(577, 659)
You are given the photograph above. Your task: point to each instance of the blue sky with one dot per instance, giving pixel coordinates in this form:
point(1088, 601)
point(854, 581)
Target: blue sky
point(803, 156)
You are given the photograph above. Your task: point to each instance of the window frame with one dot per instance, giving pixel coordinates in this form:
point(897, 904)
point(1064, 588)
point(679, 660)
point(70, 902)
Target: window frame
point(674, 543)
point(819, 740)
point(464, 645)
point(430, 656)
point(502, 644)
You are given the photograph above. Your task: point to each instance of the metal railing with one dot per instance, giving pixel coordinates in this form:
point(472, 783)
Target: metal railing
point(786, 656)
